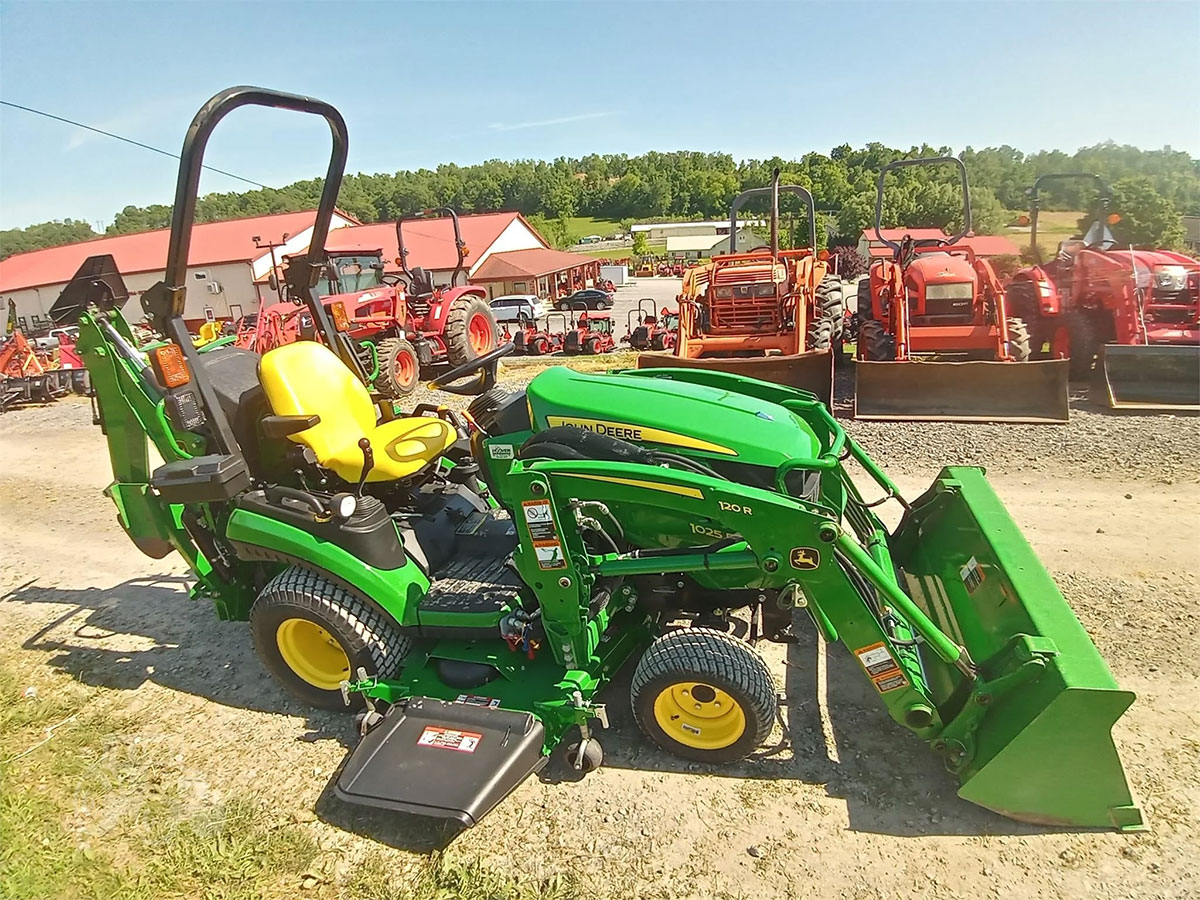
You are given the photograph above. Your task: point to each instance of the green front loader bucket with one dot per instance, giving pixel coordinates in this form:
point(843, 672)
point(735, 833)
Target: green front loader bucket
point(1031, 738)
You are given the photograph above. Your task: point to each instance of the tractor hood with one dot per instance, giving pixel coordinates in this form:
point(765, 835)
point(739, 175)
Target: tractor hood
point(672, 415)
point(939, 268)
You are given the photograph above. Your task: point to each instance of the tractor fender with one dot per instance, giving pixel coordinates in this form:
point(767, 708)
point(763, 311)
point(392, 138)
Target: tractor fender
point(1048, 297)
point(440, 308)
point(395, 592)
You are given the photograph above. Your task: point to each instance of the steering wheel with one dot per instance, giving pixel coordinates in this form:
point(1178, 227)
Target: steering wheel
point(486, 365)
point(392, 280)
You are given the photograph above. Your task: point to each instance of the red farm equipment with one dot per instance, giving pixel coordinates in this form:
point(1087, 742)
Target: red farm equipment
point(771, 314)
point(654, 330)
point(939, 301)
point(591, 334)
point(1133, 314)
point(530, 339)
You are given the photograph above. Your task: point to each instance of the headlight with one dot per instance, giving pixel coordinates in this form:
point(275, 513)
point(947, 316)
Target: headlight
point(1170, 278)
point(344, 505)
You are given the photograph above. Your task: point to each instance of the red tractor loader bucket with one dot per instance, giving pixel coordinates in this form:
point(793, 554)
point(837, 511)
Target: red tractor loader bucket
point(976, 391)
point(1033, 739)
point(1150, 376)
point(811, 372)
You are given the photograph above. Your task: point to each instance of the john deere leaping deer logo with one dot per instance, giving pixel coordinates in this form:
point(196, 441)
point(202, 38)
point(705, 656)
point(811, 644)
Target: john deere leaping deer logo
point(805, 557)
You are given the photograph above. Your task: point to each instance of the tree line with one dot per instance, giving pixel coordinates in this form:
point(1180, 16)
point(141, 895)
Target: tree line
point(1158, 185)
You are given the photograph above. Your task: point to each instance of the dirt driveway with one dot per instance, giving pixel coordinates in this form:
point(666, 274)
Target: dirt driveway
point(855, 808)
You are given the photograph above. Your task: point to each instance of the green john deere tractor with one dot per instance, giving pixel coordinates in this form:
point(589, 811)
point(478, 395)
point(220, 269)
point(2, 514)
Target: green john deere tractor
point(473, 582)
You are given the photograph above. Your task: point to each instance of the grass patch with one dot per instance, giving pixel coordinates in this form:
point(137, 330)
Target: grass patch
point(522, 366)
point(67, 754)
point(443, 878)
point(582, 226)
point(1054, 226)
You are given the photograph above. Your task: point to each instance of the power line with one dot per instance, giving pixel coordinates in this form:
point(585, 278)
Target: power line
point(38, 112)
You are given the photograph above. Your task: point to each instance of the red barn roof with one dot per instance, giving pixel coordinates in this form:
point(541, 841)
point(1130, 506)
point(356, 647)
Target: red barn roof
point(525, 264)
point(146, 251)
point(430, 242)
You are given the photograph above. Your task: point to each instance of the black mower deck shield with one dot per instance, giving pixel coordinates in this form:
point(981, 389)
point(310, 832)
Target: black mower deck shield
point(446, 760)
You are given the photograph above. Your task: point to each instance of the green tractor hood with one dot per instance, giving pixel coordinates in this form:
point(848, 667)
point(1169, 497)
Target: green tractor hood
point(696, 418)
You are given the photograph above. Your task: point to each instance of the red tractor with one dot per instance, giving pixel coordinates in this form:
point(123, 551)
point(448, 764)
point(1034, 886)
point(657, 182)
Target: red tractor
point(939, 301)
point(591, 333)
point(1138, 310)
point(654, 330)
point(530, 339)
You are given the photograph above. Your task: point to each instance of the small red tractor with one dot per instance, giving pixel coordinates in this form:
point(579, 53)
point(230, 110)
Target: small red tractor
point(591, 333)
point(653, 331)
point(938, 300)
point(776, 315)
point(1137, 310)
point(531, 339)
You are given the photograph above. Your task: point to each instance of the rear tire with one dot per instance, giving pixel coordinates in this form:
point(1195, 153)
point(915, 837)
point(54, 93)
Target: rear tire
point(591, 346)
point(1085, 341)
point(302, 621)
point(874, 343)
point(464, 335)
point(829, 315)
point(399, 368)
point(659, 341)
point(1018, 339)
point(705, 695)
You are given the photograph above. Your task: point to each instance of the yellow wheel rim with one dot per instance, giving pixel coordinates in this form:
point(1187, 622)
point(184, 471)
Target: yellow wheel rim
point(312, 653)
point(699, 715)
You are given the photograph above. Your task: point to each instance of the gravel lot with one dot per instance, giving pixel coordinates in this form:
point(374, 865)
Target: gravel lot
point(855, 808)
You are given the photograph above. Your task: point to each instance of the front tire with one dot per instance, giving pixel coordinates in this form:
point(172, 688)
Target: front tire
point(874, 343)
point(1018, 339)
point(312, 634)
point(705, 695)
point(1084, 341)
point(399, 368)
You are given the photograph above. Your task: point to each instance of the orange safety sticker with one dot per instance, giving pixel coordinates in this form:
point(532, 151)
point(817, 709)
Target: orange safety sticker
point(890, 682)
point(877, 660)
point(449, 739)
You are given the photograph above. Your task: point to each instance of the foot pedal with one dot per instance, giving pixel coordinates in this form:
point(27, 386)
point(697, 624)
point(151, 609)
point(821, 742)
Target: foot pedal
point(447, 760)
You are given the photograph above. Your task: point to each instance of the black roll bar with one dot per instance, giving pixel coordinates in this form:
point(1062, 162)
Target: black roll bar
point(773, 191)
point(924, 161)
point(1035, 202)
point(435, 213)
point(165, 302)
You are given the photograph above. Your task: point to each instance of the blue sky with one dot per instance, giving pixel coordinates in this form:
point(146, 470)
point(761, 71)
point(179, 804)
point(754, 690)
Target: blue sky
point(421, 84)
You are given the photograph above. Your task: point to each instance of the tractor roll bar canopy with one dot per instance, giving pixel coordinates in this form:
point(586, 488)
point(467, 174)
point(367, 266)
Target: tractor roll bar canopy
point(773, 189)
point(923, 161)
point(1035, 202)
point(165, 302)
point(435, 213)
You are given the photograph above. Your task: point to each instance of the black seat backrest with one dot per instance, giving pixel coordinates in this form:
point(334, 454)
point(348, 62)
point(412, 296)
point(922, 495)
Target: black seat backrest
point(233, 373)
point(422, 281)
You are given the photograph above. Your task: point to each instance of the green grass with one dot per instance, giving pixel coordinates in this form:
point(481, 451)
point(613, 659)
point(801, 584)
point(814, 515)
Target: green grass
point(582, 226)
point(56, 792)
point(1053, 227)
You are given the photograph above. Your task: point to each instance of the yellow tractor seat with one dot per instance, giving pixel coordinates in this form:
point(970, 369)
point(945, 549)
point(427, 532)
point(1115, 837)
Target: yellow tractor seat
point(308, 379)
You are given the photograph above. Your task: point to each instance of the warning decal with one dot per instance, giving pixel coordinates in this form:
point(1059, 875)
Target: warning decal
point(881, 667)
point(972, 575)
point(476, 700)
point(539, 518)
point(449, 739)
point(500, 451)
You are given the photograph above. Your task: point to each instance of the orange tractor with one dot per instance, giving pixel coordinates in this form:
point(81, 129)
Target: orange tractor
point(776, 315)
point(936, 340)
point(591, 333)
point(1134, 313)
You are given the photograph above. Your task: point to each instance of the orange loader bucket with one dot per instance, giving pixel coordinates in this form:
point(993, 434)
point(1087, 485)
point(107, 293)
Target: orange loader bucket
point(811, 372)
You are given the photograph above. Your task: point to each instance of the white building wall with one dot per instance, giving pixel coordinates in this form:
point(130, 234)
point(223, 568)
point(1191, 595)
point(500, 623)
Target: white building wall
point(235, 281)
point(517, 236)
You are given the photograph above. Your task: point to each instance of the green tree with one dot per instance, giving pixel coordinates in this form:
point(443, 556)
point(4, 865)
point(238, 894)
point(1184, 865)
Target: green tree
point(641, 247)
point(45, 234)
point(1148, 219)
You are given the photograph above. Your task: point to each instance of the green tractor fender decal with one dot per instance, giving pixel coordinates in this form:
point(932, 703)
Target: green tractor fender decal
point(397, 592)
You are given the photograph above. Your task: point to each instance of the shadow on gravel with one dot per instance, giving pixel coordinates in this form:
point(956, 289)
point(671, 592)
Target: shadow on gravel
point(147, 630)
point(891, 782)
